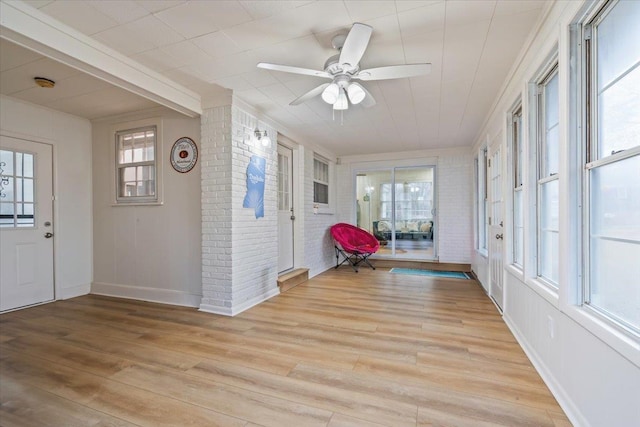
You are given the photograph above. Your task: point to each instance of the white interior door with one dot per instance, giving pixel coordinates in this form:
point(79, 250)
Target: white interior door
point(26, 223)
point(285, 209)
point(496, 224)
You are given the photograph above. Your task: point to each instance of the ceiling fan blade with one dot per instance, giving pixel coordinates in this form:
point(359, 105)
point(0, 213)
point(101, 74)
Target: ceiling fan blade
point(312, 93)
point(355, 44)
point(294, 70)
point(368, 101)
point(393, 72)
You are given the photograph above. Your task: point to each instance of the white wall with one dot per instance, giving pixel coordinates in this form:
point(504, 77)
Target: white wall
point(454, 186)
point(148, 252)
point(71, 140)
point(583, 365)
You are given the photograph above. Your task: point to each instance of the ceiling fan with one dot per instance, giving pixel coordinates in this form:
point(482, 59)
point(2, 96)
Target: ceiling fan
point(344, 68)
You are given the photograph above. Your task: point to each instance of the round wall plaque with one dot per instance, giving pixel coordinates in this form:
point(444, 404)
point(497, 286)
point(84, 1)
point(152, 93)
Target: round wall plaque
point(184, 155)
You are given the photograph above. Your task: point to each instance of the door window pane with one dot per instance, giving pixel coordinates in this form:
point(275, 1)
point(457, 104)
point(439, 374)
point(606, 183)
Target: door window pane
point(17, 194)
point(400, 214)
point(6, 162)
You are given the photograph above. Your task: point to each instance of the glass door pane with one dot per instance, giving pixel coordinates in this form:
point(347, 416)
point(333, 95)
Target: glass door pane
point(397, 206)
point(414, 213)
point(374, 206)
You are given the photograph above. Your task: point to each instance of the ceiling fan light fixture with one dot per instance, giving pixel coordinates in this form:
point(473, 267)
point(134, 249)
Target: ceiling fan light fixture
point(44, 82)
point(342, 103)
point(356, 93)
point(331, 94)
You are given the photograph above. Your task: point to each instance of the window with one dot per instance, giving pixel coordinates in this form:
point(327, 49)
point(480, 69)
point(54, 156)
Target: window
point(518, 197)
point(548, 178)
point(414, 201)
point(320, 181)
point(17, 184)
point(136, 165)
point(481, 191)
point(612, 163)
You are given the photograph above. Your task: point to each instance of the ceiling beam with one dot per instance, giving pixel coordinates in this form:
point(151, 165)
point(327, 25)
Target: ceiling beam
point(26, 26)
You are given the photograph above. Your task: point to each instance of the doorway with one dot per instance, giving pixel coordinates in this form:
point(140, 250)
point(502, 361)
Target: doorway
point(397, 206)
point(496, 221)
point(26, 218)
point(285, 209)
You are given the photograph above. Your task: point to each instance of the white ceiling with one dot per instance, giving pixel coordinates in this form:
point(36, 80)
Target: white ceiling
point(472, 45)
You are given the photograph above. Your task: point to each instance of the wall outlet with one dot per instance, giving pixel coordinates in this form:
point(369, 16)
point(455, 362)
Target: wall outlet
point(552, 326)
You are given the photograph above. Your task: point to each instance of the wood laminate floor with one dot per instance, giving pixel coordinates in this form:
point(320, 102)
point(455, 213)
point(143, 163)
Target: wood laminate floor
point(341, 350)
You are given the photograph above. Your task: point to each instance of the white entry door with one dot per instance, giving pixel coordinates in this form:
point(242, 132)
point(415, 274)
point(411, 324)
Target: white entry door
point(26, 223)
point(285, 209)
point(496, 224)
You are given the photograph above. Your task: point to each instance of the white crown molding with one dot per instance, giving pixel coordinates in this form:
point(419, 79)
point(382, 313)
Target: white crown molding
point(28, 27)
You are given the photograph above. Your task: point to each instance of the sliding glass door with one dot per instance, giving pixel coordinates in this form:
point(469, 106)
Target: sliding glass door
point(397, 206)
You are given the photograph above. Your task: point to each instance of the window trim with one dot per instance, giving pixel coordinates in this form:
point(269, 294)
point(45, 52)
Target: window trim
point(572, 210)
point(517, 110)
point(550, 71)
point(482, 199)
point(329, 207)
point(119, 128)
point(591, 160)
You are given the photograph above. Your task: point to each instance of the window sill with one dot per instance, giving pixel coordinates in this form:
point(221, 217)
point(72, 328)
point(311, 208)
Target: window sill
point(515, 271)
point(544, 290)
point(623, 343)
point(137, 204)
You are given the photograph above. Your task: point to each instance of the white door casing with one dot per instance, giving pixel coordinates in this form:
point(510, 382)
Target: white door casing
point(285, 209)
point(496, 232)
point(26, 223)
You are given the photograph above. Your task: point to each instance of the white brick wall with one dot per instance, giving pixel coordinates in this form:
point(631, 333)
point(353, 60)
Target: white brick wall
point(319, 254)
point(239, 251)
point(454, 176)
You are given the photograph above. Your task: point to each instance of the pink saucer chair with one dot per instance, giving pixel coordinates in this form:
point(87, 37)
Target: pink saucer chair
point(354, 244)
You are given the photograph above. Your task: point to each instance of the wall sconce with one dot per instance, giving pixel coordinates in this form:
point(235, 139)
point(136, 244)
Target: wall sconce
point(260, 136)
point(315, 209)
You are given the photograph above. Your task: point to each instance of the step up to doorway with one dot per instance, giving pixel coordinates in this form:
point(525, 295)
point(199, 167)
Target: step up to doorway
point(293, 278)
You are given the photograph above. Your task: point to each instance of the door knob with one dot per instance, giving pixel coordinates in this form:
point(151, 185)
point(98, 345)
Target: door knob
point(499, 236)
point(48, 235)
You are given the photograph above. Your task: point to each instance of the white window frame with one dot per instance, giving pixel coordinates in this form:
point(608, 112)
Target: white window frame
point(592, 162)
point(517, 188)
point(482, 223)
point(134, 126)
point(573, 212)
point(324, 208)
point(540, 119)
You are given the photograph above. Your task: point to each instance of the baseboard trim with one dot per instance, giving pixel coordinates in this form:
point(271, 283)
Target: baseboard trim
point(232, 311)
point(74, 291)
point(563, 398)
point(163, 296)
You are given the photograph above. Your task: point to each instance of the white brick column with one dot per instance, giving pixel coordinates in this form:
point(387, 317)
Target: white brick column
point(239, 251)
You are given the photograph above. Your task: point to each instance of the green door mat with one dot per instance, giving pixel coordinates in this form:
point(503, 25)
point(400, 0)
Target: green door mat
point(432, 273)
